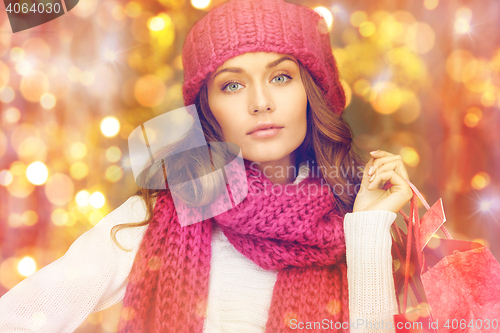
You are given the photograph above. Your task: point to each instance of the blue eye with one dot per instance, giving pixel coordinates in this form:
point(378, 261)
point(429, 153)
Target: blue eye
point(288, 78)
point(231, 85)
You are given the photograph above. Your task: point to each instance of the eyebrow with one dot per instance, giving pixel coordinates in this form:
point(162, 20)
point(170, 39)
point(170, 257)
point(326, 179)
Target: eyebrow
point(241, 70)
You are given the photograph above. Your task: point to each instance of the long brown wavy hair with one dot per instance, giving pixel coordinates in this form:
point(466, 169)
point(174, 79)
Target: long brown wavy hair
point(328, 145)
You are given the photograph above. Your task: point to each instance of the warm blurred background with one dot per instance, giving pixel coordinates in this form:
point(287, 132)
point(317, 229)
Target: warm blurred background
point(422, 78)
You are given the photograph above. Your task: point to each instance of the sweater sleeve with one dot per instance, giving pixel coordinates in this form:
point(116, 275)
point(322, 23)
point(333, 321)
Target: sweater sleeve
point(372, 296)
point(89, 277)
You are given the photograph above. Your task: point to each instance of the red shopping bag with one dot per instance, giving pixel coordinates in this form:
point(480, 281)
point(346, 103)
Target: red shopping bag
point(453, 285)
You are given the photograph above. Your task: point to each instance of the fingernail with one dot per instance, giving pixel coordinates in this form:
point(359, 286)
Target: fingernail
point(371, 170)
point(374, 152)
point(370, 186)
point(372, 177)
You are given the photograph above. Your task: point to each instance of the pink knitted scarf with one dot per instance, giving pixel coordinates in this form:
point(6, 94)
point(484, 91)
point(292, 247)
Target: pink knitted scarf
point(295, 228)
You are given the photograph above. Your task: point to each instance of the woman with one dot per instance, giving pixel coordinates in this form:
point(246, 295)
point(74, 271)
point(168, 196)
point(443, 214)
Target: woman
point(279, 261)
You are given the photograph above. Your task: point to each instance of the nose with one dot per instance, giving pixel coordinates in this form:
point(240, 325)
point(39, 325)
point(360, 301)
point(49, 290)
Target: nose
point(261, 100)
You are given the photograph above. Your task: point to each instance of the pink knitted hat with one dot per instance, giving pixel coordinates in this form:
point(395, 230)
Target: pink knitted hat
point(242, 26)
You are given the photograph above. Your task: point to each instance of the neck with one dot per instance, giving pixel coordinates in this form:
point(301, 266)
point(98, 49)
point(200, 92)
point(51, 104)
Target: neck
point(282, 171)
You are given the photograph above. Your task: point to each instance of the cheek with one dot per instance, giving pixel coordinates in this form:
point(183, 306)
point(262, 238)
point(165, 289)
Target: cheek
point(299, 104)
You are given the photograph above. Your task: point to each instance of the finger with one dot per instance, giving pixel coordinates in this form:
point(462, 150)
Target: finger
point(365, 181)
point(396, 165)
point(398, 183)
point(401, 168)
point(380, 153)
point(398, 195)
point(382, 160)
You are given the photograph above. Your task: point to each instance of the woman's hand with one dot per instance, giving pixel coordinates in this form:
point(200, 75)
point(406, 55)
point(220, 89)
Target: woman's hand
point(382, 167)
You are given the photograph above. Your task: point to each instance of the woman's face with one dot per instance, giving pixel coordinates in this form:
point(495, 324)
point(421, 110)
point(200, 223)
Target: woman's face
point(255, 88)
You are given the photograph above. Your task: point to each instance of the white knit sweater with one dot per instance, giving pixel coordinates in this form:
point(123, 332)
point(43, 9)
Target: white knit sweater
point(92, 276)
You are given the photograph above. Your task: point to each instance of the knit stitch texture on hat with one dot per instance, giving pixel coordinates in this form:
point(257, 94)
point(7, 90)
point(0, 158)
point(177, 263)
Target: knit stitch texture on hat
point(242, 26)
point(296, 229)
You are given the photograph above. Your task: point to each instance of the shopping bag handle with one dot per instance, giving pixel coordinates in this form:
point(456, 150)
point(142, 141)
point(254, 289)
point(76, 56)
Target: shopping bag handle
point(426, 205)
point(413, 227)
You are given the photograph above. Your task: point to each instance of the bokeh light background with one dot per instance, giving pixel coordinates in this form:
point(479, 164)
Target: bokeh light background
point(422, 79)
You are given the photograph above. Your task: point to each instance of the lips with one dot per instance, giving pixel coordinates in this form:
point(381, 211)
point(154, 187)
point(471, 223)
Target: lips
point(264, 126)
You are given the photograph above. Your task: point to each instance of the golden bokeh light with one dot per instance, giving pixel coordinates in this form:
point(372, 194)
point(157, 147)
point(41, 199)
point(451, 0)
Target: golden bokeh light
point(26, 266)
point(78, 150)
point(59, 217)
point(95, 217)
point(420, 38)
point(85, 8)
point(12, 115)
point(471, 119)
point(21, 133)
point(456, 63)
point(20, 187)
point(431, 4)
point(488, 98)
point(97, 200)
point(24, 67)
point(200, 4)
point(118, 13)
point(9, 275)
point(109, 55)
point(4, 74)
point(149, 90)
point(29, 218)
point(87, 78)
point(3, 144)
point(133, 9)
point(6, 177)
point(95, 318)
point(326, 14)
point(388, 97)
point(32, 148)
point(18, 168)
point(462, 25)
point(156, 23)
point(59, 189)
point(477, 75)
point(361, 87)
point(367, 29)
point(473, 116)
point(464, 12)
point(82, 198)
point(15, 220)
point(48, 101)
point(37, 173)
point(480, 180)
point(113, 154)
point(389, 30)
point(110, 126)
point(79, 170)
point(7, 94)
point(358, 17)
point(410, 108)
point(410, 156)
point(17, 54)
point(347, 91)
point(74, 73)
point(33, 86)
point(114, 173)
